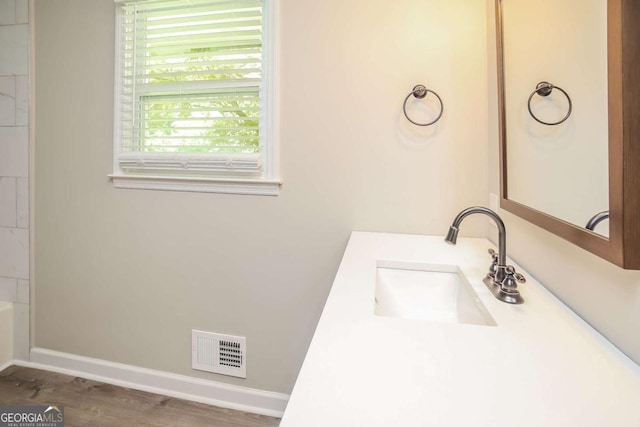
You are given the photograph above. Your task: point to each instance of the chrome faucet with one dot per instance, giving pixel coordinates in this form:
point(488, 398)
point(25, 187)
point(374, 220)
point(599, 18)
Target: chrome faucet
point(502, 279)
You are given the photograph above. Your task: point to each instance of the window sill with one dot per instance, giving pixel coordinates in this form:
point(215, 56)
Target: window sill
point(259, 187)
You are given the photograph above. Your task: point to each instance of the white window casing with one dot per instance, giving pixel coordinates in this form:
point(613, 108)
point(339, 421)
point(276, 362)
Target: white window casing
point(195, 96)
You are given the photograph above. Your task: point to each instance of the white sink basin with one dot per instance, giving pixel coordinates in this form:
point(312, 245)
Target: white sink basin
point(428, 292)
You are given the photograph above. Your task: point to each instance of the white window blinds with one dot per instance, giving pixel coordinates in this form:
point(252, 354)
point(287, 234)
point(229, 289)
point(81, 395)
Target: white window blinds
point(189, 99)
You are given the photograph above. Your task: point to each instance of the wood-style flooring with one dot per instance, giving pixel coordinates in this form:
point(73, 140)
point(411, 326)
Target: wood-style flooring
point(96, 404)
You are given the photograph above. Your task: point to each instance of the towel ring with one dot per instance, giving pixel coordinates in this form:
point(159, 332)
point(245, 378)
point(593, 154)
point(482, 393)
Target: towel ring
point(545, 89)
point(420, 91)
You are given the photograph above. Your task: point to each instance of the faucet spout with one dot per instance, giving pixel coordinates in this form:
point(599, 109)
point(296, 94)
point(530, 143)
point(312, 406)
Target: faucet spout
point(452, 235)
point(501, 279)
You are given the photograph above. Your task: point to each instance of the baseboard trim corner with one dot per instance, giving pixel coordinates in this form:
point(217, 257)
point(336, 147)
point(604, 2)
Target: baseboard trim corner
point(179, 386)
point(7, 364)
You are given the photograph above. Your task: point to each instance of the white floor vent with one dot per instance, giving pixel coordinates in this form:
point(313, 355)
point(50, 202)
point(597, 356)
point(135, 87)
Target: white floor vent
point(222, 354)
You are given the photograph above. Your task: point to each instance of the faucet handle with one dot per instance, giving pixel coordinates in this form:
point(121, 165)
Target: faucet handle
point(511, 271)
point(511, 279)
point(493, 268)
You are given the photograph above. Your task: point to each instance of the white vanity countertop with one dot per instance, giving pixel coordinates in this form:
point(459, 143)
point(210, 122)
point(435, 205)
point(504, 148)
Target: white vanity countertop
point(540, 366)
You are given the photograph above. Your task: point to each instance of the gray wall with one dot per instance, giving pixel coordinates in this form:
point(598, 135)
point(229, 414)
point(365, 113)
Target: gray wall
point(124, 275)
point(604, 295)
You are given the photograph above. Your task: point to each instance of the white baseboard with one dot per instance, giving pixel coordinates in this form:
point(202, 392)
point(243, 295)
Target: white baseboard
point(6, 365)
point(174, 385)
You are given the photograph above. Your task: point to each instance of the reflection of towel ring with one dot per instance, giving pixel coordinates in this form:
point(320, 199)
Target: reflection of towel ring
point(545, 89)
point(419, 91)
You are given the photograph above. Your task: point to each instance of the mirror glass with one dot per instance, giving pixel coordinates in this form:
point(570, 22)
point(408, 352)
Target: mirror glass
point(558, 169)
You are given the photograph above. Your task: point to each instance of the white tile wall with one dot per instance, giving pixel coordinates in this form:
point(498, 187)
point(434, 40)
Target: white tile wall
point(8, 206)
point(14, 290)
point(14, 151)
point(8, 289)
point(22, 11)
point(7, 101)
point(22, 101)
point(14, 253)
point(14, 50)
point(21, 331)
point(7, 12)
point(22, 202)
point(14, 166)
point(22, 292)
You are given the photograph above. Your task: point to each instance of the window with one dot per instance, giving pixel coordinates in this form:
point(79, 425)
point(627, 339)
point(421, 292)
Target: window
point(194, 96)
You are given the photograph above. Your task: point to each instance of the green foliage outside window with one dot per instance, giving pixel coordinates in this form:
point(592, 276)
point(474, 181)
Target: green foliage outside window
point(201, 120)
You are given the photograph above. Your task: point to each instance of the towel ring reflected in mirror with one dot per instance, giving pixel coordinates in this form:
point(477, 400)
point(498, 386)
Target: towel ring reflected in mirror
point(544, 89)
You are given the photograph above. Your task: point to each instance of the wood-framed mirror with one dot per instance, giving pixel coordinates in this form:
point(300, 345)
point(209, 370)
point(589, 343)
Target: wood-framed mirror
point(621, 243)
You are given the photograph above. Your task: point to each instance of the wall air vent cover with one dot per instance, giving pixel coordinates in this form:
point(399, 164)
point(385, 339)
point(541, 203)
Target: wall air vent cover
point(222, 354)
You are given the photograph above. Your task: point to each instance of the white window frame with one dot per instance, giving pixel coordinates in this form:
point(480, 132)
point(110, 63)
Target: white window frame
point(268, 181)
